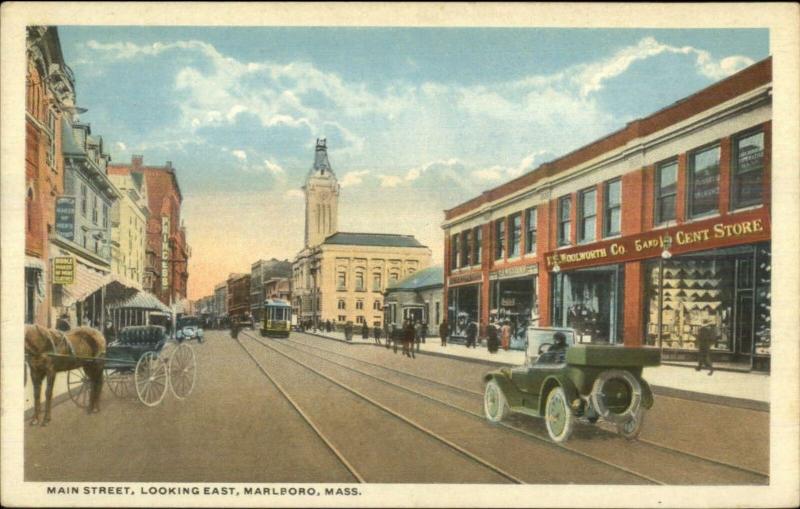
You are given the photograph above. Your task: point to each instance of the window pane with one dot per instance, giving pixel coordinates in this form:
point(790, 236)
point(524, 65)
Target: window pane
point(667, 179)
point(613, 193)
point(588, 212)
point(748, 170)
point(588, 229)
point(516, 234)
point(477, 245)
point(564, 208)
point(530, 225)
point(588, 203)
point(705, 181)
point(612, 221)
point(750, 153)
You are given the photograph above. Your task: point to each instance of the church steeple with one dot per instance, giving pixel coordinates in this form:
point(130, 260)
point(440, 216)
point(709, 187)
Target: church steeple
point(322, 198)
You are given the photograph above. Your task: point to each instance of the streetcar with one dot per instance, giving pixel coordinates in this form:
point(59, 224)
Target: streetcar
point(277, 321)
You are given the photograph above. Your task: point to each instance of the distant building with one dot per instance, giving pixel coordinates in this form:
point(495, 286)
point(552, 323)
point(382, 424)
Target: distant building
point(278, 288)
point(220, 302)
point(418, 297)
point(167, 251)
point(129, 216)
point(261, 272)
point(341, 276)
point(238, 296)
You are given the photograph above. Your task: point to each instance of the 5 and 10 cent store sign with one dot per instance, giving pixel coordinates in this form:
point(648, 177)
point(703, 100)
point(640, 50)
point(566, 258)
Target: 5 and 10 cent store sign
point(708, 234)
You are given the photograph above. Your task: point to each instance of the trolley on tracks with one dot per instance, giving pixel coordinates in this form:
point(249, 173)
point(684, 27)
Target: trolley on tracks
point(142, 360)
point(277, 321)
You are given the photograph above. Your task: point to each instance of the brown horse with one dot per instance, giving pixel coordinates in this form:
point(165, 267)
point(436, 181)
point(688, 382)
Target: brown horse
point(49, 351)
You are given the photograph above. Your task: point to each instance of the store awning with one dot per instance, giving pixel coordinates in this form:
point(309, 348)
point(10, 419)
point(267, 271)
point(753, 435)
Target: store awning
point(88, 280)
point(34, 263)
point(142, 300)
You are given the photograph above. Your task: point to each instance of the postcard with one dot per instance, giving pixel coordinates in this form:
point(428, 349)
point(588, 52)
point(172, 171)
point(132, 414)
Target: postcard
point(400, 255)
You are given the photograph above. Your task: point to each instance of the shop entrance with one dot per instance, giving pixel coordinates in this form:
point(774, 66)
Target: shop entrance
point(590, 301)
point(462, 308)
point(514, 301)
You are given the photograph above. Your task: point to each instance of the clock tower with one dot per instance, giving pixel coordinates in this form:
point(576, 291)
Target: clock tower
point(322, 198)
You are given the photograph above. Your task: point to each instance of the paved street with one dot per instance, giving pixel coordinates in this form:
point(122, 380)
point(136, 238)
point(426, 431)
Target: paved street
point(360, 412)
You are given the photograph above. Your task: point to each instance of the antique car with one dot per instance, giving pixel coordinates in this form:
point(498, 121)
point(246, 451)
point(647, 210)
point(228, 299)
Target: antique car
point(189, 327)
point(563, 381)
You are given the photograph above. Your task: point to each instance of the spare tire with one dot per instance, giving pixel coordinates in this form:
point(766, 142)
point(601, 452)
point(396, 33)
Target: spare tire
point(616, 395)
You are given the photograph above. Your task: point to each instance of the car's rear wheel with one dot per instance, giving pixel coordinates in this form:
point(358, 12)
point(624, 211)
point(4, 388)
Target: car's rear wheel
point(631, 428)
point(558, 416)
point(495, 405)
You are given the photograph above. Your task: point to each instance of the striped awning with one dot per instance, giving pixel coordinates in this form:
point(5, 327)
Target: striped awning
point(88, 280)
point(142, 300)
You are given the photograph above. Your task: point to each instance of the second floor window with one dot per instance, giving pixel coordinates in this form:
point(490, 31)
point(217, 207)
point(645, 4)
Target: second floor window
point(51, 152)
point(455, 251)
point(666, 192)
point(477, 238)
point(612, 208)
point(704, 182)
point(105, 216)
point(588, 211)
point(341, 304)
point(530, 230)
point(748, 170)
point(564, 221)
point(376, 282)
point(515, 234)
point(359, 304)
point(465, 248)
point(360, 282)
point(499, 238)
point(341, 280)
point(94, 208)
point(83, 200)
point(376, 305)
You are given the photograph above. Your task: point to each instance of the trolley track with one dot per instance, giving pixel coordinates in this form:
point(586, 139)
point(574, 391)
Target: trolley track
point(449, 444)
point(762, 476)
point(546, 442)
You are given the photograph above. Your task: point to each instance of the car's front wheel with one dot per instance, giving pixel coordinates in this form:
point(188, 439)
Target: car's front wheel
point(558, 416)
point(495, 405)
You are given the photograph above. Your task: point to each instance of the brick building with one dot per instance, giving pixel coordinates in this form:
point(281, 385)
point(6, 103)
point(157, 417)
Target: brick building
point(238, 297)
point(637, 238)
point(167, 252)
point(49, 98)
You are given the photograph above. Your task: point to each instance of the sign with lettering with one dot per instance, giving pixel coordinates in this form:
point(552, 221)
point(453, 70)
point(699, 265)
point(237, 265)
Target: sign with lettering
point(712, 233)
point(63, 270)
point(518, 271)
point(165, 252)
point(459, 279)
point(65, 217)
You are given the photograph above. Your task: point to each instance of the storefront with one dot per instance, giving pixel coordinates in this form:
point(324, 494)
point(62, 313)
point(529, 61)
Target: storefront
point(657, 289)
point(728, 287)
point(463, 303)
point(513, 297)
point(590, 300)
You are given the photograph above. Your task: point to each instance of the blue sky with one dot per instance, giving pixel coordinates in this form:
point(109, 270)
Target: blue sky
point(417, 119)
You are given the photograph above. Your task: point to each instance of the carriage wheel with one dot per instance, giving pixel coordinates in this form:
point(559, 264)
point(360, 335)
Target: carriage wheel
point(79, 387)
point(182, 371)
point(151, 379)
point(119, 382)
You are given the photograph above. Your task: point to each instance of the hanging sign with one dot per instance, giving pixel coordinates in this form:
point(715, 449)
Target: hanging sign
point(63, 270)
point(65, 217)
point(165, 252)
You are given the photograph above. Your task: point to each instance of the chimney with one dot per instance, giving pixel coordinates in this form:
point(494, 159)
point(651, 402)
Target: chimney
point(169, 165)
point(136, 161)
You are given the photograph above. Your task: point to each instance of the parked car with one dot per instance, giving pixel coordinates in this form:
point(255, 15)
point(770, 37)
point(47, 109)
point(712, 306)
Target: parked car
point(189, 327)
point(566, 382)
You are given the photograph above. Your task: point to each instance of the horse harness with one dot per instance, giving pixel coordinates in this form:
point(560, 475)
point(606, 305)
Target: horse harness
point(62, 340)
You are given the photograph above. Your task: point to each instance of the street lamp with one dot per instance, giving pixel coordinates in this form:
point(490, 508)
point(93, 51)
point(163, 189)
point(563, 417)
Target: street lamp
point(666, 243)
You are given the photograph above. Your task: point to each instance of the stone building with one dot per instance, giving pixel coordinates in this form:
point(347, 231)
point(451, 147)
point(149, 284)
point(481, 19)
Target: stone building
point(418, 297)
point(341, 276)
point(129, 216)
point(167, 252)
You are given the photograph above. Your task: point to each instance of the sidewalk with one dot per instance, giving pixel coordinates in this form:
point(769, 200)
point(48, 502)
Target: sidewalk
point(59, 393)
point(744, 389)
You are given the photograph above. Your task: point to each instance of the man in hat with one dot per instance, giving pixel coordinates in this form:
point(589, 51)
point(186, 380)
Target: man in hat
point(706, 337)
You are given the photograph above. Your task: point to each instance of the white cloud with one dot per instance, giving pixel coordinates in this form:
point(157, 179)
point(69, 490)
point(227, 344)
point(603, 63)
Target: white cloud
point(273, 168)
point(353, 178)
point(121, 146)
point(390, 180)
point(294, 193)
point(239, 154)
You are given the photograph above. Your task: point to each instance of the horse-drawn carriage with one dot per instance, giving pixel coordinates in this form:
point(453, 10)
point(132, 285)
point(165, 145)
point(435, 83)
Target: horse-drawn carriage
point(142, 360)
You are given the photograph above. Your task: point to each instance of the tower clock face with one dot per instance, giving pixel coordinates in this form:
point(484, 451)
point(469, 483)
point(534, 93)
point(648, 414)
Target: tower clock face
point(324, 195)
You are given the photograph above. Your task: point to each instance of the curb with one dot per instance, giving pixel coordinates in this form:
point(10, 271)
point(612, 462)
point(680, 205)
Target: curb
point(747, 404)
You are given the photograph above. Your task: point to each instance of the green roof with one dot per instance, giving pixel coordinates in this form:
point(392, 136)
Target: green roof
point(69, 145)
point(373, 239)
point(425, 278)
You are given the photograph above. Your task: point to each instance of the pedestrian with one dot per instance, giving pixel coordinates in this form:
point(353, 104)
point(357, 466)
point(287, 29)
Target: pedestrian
point(706, 337)
point(492, 341)
point(62, 323)
point(109, 331)
point(409, 335)
point(505, 335)
point(364, 330)
point(348, 331)
point(444, 332)
point(424, 331)
point(417, 333)
point(472, 334)
point(376, 334)
point(234, 329)
point(390, 336)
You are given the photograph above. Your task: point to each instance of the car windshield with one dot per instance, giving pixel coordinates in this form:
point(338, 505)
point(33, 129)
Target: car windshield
point(538, 336)
point(188, 321)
